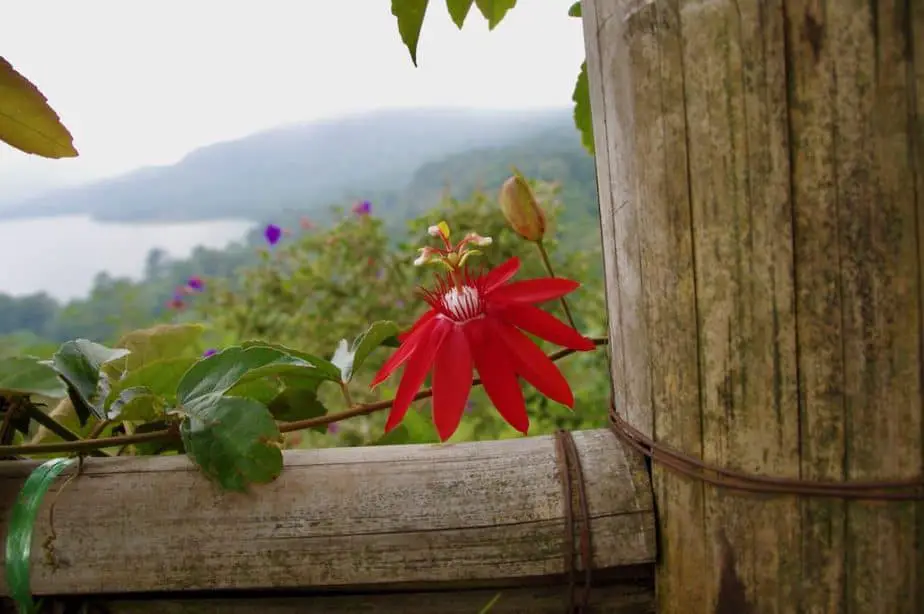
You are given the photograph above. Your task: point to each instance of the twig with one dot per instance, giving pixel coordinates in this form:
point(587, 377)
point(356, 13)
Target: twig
point(548, 267)
point(286, 427)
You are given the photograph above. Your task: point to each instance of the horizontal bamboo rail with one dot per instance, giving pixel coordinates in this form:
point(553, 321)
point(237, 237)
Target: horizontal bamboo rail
point(457, 518)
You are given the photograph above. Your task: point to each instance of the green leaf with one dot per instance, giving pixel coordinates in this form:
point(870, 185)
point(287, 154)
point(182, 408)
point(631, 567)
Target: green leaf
point(261, 390)
point(582, 116)
point(326, 370)
point(79, 363)
point(137, 404)
point(299, 403)
point(575, 10)
point(157, 343)
point(494, 10)
point(348, 358)
point(410, 14)
point(161, 377)
point(234, 440)
point(22, 525)
point(490, 605)
point(27, 122)
point(30, 375)
point(415, 428)
point(458, 10)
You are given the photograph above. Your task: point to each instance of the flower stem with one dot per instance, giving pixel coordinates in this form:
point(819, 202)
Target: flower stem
point(360, 409)
point(551, 271)
point(345, 390)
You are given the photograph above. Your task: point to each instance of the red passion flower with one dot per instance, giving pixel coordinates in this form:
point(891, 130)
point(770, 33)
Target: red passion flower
point(479, 321)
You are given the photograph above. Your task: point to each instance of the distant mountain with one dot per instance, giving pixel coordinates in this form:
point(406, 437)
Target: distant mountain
point(311, 166)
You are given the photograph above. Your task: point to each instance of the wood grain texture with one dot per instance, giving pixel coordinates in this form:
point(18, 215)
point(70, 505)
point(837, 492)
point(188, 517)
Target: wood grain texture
point(766, 230)
point(613, 599)
point(450, 515)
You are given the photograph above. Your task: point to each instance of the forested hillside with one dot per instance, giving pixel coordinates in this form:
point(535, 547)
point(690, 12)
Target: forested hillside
point(551, 153)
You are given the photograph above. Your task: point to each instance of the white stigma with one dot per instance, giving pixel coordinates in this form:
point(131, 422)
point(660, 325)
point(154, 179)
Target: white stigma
point(434, 231)
point(462, 304)
point(479, 240)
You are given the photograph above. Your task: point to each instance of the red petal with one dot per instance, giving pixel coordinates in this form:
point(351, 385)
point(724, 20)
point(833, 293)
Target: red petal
point(500, 274)
point(534, 320)
point(533, 365)
point(452, 382)
point(499, 380)
point(420, 322)
point(534, 290)
point(416, 372)
point(403, 353)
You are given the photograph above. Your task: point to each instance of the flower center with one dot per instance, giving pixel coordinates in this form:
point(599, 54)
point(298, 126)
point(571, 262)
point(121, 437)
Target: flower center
point(462, 304)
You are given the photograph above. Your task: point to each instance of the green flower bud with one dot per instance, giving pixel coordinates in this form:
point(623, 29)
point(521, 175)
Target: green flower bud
point(518, 203)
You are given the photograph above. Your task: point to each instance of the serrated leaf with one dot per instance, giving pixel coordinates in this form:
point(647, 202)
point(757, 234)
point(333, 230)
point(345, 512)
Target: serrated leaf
point(458, 10)
point(582, 116)
point(30, 375)
point(161, 377)
point(137, 404)
point(27, 121)
point(21, 527)
point(575, 10)
point(234, 441)
point(78, 363)
point(299, 403)
point(410, 15)
point(157, 343)
point(326, 370)
point(494, 10)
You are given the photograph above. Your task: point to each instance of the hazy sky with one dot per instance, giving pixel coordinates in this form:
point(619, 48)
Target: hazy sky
point(142, 82)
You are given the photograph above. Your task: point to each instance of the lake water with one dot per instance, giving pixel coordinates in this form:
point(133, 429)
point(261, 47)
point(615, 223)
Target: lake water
point(62, 255)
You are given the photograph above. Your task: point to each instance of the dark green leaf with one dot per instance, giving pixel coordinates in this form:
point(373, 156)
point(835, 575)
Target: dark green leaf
point(326, 370)
point(30, 375)
point(22, 525)
point(410, 14)
point(214, 376)
point(137, 404)
point(494, 10)
point(234, 440)
point(298, 403)
point(575, 10)
point(79, 363)
point(261, 390)
point(582, 116)
point(458, 10)
point(27, 122)
point(395, 437)
point(161, 377)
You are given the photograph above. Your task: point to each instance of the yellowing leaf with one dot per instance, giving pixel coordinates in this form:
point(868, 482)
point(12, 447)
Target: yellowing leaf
point(27, 122)
point(410, 14)
point(494, 10)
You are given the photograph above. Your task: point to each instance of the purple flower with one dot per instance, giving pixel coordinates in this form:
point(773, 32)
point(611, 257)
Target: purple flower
point(362, 208)
point(209, 352)
point(469, 407)
point(195, 283)
point(332, 428)
point(272, 233)
point(399, 304)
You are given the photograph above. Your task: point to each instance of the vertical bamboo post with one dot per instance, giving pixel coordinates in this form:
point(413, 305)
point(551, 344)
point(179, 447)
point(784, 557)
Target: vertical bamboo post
point(761, 182)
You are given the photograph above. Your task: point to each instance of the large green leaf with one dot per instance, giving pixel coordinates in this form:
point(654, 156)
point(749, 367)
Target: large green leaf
point(156, 343)
point(21, 527)
point(458, 10)
point(350, 357)
point(575, 10)
point(30, 375)
point(582, 116)
point(161, 377)
point(410, 14)
point(27, 121)
point(325, 369)
point(234, 440)
point(494, 10)
point(79, 363)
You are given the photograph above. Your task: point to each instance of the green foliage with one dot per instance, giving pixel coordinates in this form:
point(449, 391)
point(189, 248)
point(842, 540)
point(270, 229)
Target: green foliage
point(494, 10)
point(458, 11)
point(79, 364)
point(27, 122)
point(410, 15)
point(350, 356)
point(582, 116)
point(29, 375)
